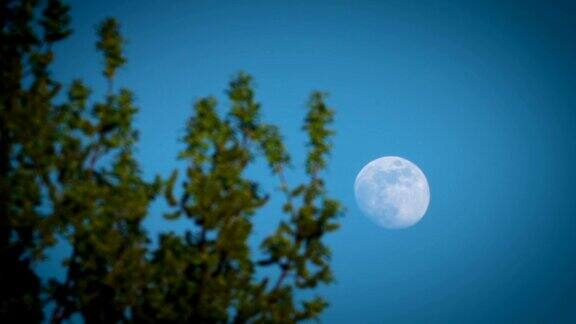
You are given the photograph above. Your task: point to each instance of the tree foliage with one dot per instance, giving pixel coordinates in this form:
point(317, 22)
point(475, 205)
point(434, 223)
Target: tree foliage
point(68, 173)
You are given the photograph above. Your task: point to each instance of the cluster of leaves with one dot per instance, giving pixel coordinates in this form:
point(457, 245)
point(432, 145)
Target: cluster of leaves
point(67, 172)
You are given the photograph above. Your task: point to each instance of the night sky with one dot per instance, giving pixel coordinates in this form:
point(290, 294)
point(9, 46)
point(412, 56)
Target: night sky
point(480, 95)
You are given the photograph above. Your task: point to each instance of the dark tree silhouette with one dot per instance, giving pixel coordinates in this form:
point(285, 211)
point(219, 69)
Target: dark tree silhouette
point(68, 172)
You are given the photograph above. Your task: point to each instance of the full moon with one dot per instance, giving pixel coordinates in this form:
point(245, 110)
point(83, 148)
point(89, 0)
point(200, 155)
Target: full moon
point(393, 192)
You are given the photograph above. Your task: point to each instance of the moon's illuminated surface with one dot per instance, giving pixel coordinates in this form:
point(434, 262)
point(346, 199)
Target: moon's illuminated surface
point(392, 191)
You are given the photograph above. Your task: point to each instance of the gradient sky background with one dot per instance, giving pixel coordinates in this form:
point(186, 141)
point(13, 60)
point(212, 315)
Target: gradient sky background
point(480, 96)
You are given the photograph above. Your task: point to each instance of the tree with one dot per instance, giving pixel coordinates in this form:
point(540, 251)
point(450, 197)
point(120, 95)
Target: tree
point(68, 172)
point(27, 149)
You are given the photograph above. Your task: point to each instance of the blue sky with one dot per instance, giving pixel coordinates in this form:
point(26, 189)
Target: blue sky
point(479, 95)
